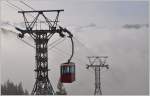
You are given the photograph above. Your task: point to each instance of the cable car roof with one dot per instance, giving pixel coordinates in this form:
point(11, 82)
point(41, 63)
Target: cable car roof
point(68, 64)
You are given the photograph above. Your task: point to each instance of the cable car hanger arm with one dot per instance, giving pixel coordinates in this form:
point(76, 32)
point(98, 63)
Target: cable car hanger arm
point(71, 38)
point(72, 50)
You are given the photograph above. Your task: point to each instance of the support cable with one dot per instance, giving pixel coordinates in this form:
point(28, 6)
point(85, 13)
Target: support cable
point(67, 53)
point(34, 10)
point(56, 44)
point(26, 42)
point(26, 5)
point(89, 50)
point(16, 7)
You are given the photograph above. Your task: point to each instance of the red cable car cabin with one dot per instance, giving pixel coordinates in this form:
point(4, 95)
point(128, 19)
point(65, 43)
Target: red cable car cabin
point(67, 72)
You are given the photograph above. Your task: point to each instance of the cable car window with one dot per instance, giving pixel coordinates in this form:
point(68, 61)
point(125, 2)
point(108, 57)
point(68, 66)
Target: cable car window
point(65, 70)
point(68, 69)
point(72, 69)
point(61, 70)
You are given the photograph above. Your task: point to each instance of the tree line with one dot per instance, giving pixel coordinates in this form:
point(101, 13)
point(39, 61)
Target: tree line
point(9, 88)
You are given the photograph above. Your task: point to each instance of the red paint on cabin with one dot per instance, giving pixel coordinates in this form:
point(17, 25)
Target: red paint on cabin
point(67, 72)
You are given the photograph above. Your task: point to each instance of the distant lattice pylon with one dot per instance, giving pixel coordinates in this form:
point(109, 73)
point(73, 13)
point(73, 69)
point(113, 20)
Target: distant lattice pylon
point(101, 60)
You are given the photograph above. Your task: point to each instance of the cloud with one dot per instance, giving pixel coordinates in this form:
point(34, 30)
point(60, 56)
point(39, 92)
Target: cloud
point(20, 24)
point(6, 31)
point(4, 23)
point(8, 23)
point(91, 25)
point(135, 26)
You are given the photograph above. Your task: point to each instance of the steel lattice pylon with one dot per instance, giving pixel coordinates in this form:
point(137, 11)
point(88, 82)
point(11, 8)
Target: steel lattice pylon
point(41, 37)
point(97, 82)
point(97, 68)
point(42, 84)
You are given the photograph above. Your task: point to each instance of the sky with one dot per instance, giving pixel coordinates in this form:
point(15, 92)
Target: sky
point(117, 29)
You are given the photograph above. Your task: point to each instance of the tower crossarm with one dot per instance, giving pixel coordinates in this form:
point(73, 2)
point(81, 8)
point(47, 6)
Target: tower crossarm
point(102, 65)
point(35, 31)
point(40, 11)
point(97, 57)
point(30, 25)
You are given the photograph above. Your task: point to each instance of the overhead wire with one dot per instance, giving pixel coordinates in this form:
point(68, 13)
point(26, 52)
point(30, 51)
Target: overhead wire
point(11, 6)
point(14, 5)
point(75, 57)
point(78, 61)
point(31, 8)
point(54, 42)
point(15, 33)
point(89, 50)
point(62, 55)
point(26, 42)
point(27, 5)
point(67, 53)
